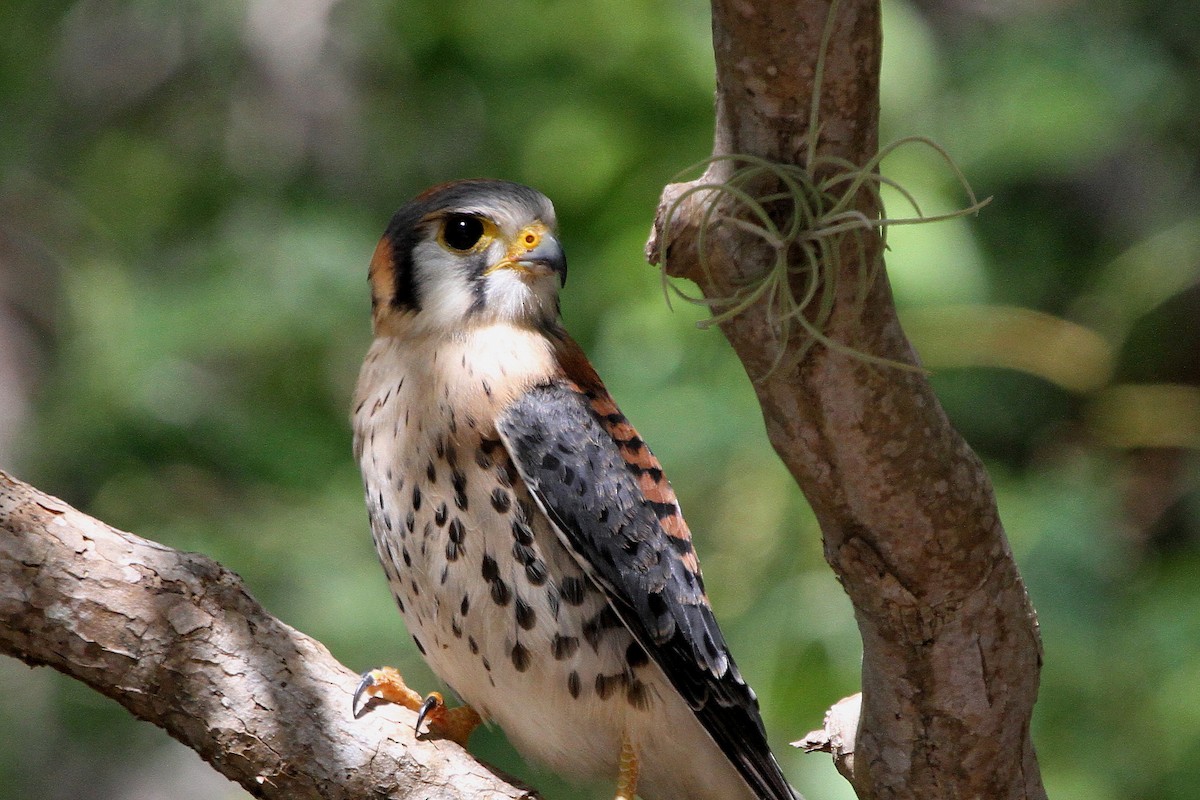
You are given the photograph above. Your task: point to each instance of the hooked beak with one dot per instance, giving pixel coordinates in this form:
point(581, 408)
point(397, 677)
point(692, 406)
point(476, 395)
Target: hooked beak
point(543, 259)
point(548, 257)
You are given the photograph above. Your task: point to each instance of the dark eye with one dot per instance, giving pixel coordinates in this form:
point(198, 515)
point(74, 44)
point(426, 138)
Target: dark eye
point(461, 231)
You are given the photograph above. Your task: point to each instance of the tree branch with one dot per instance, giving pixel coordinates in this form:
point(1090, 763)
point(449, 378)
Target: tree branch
point(176, 639)
point(951, 652)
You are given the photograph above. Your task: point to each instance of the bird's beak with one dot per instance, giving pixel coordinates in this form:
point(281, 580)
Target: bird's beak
point(545, 258)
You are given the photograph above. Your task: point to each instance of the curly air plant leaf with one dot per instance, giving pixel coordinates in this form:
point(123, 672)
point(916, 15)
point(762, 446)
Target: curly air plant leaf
point(804, 219)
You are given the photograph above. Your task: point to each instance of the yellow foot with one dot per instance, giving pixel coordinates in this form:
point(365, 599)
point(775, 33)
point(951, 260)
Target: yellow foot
point(455, 724)
point(627, 778)
point(386, 684)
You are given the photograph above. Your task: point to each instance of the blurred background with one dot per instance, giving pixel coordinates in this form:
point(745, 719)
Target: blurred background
point(190, 193)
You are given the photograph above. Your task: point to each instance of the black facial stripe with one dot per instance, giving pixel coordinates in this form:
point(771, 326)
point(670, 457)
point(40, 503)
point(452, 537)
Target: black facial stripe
point(403, 234)
point(404, 292)
point(478, 283)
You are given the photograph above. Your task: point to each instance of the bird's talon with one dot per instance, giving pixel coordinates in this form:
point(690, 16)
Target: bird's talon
point(364, 685)
point(384, 683)
point(433, 708)
point(455, 724)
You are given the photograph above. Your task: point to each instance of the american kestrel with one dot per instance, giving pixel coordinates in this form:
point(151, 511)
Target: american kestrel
point(533, 545)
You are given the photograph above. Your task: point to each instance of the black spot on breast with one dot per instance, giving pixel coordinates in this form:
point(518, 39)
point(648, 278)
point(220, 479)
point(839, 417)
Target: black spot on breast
point(572, 590)
point(456, 629)
point(439, 515)
point(564, 647)
point(635, 655)
point(573, 684)
point(452, 551)
point(410, 521)
point(407, 558)
point(520, 657)
point(399, 602)
point(490, 570)
point(552, 600)
point(594, 628)
point(445, 574)
point(459, 480)
point(416, 498)
point(535, 573)
point(487, 665)
point(457, 531)
point(521, 532)
point(607, 684)
point(501, 593)
point(638, 695)
point(501, 500)
point(431, 472)
point(482, 459)
point(526, 616)
point(523, 554)
point(473, 645)
point(465, 605)
point(420, 646)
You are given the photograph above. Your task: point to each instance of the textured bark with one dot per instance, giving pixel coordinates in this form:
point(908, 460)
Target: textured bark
point(951, 651)
point(177, 640)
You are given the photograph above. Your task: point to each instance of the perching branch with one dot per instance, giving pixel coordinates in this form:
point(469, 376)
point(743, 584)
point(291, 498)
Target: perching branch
point(177, 640)
point(951, 652)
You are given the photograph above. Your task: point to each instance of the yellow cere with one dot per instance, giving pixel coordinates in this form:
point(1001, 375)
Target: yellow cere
point(527, 238)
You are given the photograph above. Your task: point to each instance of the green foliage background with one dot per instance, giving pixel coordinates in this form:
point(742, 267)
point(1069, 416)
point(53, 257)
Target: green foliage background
point(190, 193)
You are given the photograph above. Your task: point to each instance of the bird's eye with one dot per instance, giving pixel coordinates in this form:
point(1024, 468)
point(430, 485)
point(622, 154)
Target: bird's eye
point(462, 231)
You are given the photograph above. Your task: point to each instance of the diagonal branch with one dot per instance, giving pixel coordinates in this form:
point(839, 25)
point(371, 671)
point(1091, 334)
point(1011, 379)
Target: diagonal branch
point(176, 639)
point(951, 652)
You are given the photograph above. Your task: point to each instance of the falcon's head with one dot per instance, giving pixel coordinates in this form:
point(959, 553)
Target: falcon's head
point(468, 252)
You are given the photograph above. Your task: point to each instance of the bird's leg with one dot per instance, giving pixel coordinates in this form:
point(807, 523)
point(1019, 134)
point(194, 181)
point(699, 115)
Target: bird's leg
point(627, 777)
point(455, 724)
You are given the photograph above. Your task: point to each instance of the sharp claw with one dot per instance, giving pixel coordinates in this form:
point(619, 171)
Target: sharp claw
point(431, 702)
point(368, 680)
